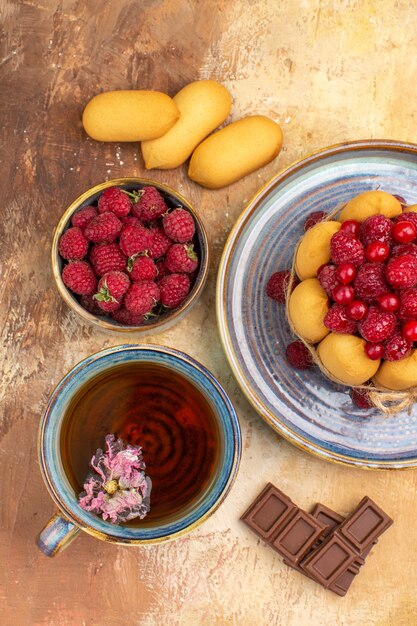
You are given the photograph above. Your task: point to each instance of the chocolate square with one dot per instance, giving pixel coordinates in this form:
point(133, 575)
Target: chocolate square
point(329, 560)
point(362, 527)
point(269, 513)
point(298, 536)
point(327, 516)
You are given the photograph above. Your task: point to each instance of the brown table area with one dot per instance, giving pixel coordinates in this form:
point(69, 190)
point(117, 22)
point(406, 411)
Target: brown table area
point(328, 71)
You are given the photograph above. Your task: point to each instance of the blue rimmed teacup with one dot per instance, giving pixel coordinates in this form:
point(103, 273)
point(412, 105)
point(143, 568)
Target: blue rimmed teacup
point(71, 518)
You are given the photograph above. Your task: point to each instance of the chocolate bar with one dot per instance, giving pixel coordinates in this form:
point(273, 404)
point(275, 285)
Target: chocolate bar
point(322, 544)
point(270, 512)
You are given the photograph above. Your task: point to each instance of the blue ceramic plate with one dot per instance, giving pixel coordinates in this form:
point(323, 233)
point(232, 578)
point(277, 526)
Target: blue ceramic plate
point(305, 407)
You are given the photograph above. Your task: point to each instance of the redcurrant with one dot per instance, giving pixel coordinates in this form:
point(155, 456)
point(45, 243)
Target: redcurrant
point(389, 302)
point(409, 331)
point(377, 252)
point(404, 232)
point(356, 309)
point(346, 273)
point(351, 226)
point(343, 294)
point(374, 351)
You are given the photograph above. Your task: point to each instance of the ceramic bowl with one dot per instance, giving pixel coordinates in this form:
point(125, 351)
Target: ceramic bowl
point(71, 518)
point(153, 324)
point(305, 407)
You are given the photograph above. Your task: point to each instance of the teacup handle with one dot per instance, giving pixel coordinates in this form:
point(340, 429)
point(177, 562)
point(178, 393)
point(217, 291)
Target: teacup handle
point(56, 535)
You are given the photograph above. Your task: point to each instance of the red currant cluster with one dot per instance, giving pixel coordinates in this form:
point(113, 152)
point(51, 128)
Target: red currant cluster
point(372, 284)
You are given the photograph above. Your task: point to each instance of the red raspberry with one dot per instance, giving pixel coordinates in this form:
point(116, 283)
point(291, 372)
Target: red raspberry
point(375, 228)
point(377, 325)
point(161, 270)
point(105, 257)
point(116, 201)
point(370, 282)
point(277, 285)
point(111, 289)
point(404, 248)
point(103, 228)
point(73, 245)
point(360, 398)
point(338, 321)
point(151, 205)
point(411, 216)
point(179, 225)
point(174, 289)
point(401, 272)
point(159, 243)
point(396, 347)
point(84, 216)
point(408, 303)
point(313, 219)
point(134, 240)
point(298, 356)
point(142, 297)
point(79, 277)
point(125, 317)
point(345, 248)
point(130, 220)
point(181, 258)
point(142, 268)
point(89, 304)
point(328, 279)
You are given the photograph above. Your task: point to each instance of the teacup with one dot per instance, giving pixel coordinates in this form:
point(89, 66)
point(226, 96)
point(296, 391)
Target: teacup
point(165, 521)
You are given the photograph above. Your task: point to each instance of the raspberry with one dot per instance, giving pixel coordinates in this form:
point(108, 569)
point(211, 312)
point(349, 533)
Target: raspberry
point(116, 201)
point(89, 304)
point(401, 272)
point(298, 356)
point(151, 205)
point(327, 278)
point(142, 268)
point(277, 285)
point(411, 216)
point(73, 245)
point(105, 257)
point(338, 321)
point(142, 297)
point(103, 228)
point(111, 289)
point(134, 240)
point(161, 270)
point(377, 325)
point(408, 303)
point(181, 258)
point(174, 289)
point(375, 228)
point(159, 243)
point(79, 277)
point(125, 317)
point(179, 225)
point(313, 219)
point(396, 347)
point(370, 282)
point(130, 220)
point(360, 398)
point(84, 216)
point(404, 248)
point(345, 248)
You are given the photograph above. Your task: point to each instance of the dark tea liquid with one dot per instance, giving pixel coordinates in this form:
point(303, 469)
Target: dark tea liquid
point(156, 408)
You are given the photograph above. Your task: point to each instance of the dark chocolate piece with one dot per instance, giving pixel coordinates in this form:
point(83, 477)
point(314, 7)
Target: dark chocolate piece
point(270, 512)
point(362, 527)
point(298, 536)
point(329, 560)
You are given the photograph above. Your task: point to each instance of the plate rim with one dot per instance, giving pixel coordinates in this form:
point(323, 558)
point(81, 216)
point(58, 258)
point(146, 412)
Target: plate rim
point(274, 420)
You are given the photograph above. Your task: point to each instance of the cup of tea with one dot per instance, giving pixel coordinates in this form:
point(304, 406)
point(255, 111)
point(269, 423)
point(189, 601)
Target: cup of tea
point(147, 395)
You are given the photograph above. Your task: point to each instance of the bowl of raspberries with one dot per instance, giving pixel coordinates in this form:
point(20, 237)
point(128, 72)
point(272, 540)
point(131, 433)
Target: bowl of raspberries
point(130, 254)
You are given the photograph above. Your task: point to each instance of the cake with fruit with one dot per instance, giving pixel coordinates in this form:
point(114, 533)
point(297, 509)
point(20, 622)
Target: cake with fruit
point(352, 301)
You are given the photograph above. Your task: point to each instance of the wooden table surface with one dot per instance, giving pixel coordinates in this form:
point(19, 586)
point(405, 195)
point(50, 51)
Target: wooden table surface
point(327, 71)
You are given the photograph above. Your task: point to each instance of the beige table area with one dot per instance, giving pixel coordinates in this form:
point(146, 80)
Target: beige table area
point(328, 71)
